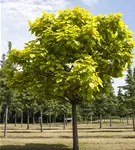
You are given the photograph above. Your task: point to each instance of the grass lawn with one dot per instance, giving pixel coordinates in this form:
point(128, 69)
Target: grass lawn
point(119, 137)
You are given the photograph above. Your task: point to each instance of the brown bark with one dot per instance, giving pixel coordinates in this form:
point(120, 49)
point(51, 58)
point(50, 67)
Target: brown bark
point(133, 118)
point(28, 120)
point(33, 118)
point(127, 120)
point(110, 119)
point(15, 119)
point(6, 116)
point(100, 120)
point(41, 120)
point(21, 118)
point(64, 122)
point(50, 120)
point(74, 125)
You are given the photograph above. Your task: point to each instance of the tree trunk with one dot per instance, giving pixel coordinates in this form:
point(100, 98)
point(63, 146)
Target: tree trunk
point(21, 118)
point(127, 120)
point(33, 118)
point(28, 119)
point(110, 118)
point(41, 120)
point(6, 116)
point(88, 119)
point(47, 120)
point(91, 119)
point(122, 120)
point(64, 121)
point(54, 120)
point(133, 118)
point(74, 125)
point(50, 120)
point(15, 119)
point(100, 120)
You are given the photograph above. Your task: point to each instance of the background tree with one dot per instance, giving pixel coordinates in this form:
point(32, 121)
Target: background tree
point(111, 102)
point(6, 91)
point(130, 91)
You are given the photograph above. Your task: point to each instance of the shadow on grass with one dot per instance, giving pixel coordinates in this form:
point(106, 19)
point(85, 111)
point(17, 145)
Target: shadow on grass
point(38, 129)
point(113, 136)
point(122, 128)
point(70, 137)
point(36, 146)
point(99, 131)
point(26, 131)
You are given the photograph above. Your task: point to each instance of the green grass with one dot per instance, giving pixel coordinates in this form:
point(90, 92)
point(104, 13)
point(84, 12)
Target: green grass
point(119, 137)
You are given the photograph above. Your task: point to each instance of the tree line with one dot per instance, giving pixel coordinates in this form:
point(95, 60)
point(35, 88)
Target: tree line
point(25, 106)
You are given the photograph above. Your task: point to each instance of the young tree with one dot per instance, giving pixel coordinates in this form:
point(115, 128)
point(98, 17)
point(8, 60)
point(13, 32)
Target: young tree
point(121, 104)
point(100, 106)
point(111, 102)
point(73, 54)
point(7, 94)
point(130, 91)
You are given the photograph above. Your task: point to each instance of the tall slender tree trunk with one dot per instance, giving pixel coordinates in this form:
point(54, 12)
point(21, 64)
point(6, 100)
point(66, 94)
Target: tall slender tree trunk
point(15, 119)
point(54, 120)
point(33, 118)
point(88, 119)
point(64, 121)
point(50, 120)
point(47, 120)
point(28, 119)
point(91, 118)
point(41, 120)
point(133, 118)
point(100, 120)
point(127, 120)
point(74, 125)
point(6, 116)
point(122, 119)
point(110, 118)
point(21, 118)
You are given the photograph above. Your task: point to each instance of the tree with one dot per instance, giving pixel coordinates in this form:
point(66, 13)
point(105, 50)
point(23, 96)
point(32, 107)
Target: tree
point(86, 111)
point(111, 102)
point(100, 106)
point(73, 54)
point(130, 91)
point(6, 91)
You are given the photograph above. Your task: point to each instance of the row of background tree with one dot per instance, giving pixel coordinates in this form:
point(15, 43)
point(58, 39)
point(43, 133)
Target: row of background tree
point(26, 107)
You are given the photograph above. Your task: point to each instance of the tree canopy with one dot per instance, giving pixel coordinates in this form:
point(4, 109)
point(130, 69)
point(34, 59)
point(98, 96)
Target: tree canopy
point(74, 52)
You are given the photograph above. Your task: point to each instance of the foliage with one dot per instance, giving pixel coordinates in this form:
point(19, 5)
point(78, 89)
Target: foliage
point(74, 53)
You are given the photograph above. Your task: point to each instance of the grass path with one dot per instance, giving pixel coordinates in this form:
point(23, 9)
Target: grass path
point(119, 137)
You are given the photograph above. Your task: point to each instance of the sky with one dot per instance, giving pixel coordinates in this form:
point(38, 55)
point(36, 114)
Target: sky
point(14, 16)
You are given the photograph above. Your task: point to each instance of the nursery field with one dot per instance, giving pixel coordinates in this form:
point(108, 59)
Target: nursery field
point(118, 137)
